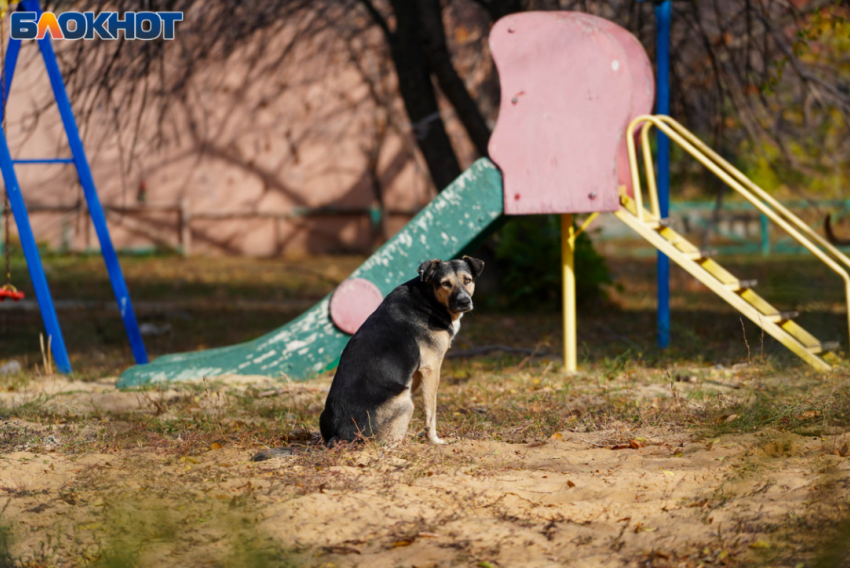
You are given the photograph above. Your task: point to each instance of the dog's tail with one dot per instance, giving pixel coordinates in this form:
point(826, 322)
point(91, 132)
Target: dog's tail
point(830, 236)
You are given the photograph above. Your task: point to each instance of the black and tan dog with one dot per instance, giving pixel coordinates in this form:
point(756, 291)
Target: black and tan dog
point(397, 350)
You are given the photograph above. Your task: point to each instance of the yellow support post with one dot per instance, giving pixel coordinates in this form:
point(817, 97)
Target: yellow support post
point(569, 284)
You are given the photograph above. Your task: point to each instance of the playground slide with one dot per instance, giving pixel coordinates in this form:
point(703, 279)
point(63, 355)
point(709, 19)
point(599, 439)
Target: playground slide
point(455, 222)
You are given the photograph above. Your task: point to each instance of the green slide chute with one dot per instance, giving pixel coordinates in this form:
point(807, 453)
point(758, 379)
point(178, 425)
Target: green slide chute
point(455, 222)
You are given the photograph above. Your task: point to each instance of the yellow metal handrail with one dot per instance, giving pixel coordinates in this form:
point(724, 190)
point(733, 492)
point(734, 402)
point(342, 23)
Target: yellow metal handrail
point(734, 178)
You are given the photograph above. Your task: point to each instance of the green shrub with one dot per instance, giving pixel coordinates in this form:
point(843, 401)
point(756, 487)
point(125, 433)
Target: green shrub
point(528, 250)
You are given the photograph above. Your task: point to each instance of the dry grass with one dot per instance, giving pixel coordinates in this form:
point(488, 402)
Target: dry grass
point(544, 469)
point(171, 478)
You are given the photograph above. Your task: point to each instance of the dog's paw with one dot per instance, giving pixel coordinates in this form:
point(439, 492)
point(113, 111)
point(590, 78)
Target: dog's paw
point(436, 440)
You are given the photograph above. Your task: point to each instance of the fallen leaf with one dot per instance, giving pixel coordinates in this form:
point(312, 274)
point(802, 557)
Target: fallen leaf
point(760, 544)
point(635, 444)
point(189, 459)
point(428, 535)
point(215, 446)
point(570, 484)
point(624, 519)
point(844, 451)
point(731, 418)
point(486, 564)
point(556, 436)
point(401, 543)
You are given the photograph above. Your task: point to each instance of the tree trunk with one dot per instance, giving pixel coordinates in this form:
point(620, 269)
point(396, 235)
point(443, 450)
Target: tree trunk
point(433, 37)
point(500, 8)
point(420, 98)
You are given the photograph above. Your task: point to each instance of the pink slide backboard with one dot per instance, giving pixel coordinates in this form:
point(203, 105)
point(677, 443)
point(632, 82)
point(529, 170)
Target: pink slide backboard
point(571, 83)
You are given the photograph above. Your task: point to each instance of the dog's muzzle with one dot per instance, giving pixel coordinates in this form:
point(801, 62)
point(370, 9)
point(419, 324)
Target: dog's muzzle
point(462, 306)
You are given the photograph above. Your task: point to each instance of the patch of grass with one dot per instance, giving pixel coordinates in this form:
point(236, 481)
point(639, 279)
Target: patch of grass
point(14, 381)
point(5, 547)
point(835, 552)
point(170, 529)
point(32, 409)
point(711, 384)
point(805, 409)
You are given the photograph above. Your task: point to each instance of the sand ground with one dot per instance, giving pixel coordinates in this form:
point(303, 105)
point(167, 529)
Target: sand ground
point(75, 492)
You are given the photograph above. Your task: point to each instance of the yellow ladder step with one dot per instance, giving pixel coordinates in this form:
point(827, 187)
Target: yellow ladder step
point(742, 285)
point(700, 254)
point(823, 347)
point(779, 317)
point(738, 293)
point(658, 223)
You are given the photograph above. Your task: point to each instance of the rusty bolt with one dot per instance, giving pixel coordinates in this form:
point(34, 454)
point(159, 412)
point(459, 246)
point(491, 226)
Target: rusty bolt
point(592, 195)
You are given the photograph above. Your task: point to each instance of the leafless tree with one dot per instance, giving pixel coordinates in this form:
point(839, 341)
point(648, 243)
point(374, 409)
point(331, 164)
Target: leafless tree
point(767, 75)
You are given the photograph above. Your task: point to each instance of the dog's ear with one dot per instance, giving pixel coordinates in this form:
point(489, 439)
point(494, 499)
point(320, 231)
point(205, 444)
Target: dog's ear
point(475, 266)
point(427, 269)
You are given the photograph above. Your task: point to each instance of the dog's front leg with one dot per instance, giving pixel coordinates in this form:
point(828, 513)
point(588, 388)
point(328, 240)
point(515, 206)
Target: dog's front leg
point(430, 382)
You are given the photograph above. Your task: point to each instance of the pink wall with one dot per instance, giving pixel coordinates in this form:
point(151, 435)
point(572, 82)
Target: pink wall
point(240, 144)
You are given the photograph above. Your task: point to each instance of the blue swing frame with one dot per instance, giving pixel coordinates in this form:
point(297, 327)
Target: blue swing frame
point(19, 210)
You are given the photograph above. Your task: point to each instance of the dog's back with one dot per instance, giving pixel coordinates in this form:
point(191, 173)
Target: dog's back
point(378, 363)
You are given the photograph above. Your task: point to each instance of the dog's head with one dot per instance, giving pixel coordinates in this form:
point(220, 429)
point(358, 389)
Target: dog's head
point(453, 281)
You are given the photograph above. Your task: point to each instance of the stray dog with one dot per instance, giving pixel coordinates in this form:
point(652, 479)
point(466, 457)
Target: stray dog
point(397, 350)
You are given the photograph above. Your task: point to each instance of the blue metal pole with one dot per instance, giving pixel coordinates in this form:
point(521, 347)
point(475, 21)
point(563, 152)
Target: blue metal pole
point(119, 287)
point(25, 234)
point(44, 161)
point(663, 16)
point(39, 281)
